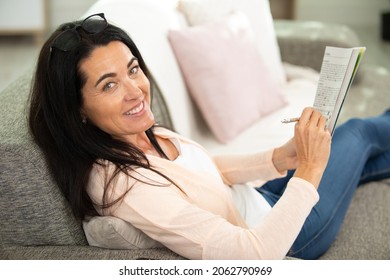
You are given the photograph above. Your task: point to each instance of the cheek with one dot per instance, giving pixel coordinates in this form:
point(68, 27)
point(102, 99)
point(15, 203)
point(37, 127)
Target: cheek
point(96, 109)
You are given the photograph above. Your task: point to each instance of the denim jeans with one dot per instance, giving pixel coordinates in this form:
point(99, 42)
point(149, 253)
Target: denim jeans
point(360, 153)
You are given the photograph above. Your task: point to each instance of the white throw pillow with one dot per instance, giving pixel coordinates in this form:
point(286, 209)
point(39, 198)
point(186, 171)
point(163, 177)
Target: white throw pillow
point(260, 17)
point(113, 233)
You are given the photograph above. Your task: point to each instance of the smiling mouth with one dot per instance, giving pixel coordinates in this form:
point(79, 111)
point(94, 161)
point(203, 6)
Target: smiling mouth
point(136, 110)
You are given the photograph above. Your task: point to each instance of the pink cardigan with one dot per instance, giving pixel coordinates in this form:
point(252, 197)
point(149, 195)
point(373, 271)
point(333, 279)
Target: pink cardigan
point(199, 220)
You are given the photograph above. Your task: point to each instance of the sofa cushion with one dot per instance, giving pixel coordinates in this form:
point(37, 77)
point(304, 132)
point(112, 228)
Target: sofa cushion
point(114, 233)
point(225, 74)
point(77, 252)
point(260, 17)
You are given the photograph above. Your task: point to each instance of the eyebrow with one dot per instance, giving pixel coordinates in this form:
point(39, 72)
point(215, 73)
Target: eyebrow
point(108, 75)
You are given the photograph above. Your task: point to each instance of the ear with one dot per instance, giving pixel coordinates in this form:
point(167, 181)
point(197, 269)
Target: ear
point(83, 116)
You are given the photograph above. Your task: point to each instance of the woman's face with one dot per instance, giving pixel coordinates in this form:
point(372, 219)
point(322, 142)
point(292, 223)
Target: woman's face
point(116, 95)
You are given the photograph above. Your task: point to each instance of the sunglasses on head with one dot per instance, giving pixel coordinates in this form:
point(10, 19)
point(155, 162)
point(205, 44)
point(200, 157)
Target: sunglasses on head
point(68, 39)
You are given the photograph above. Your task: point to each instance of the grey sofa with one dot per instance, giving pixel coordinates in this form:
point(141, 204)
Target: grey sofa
point(37, 223)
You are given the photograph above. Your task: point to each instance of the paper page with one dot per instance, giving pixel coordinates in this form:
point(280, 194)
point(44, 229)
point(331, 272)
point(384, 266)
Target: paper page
point(333, 69)
point(337, 71)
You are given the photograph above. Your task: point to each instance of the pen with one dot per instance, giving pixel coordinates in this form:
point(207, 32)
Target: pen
point(290, 120)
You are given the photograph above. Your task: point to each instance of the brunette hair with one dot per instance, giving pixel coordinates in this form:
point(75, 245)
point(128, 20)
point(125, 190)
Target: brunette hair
point(71, 147)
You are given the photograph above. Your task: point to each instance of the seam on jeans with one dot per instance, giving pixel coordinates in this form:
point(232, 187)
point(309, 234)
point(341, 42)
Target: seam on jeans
point(375, 174)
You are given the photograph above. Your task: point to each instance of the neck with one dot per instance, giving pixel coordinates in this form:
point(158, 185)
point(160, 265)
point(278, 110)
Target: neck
point(142, 142)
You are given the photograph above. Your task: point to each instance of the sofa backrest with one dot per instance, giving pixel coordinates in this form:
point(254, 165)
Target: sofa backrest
point(33, 210)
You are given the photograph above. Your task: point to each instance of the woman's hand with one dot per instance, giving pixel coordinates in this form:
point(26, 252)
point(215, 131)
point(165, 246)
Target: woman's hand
point(308, 151)
point(285, 157)
point(312, 146)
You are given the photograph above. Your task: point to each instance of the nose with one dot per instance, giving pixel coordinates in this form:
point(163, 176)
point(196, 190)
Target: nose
point(132, 90)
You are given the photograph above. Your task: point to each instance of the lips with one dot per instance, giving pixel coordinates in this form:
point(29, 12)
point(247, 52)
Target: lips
point(135, 110)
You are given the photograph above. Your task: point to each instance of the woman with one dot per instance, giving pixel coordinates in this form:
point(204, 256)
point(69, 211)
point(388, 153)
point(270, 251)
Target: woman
point(90, 114)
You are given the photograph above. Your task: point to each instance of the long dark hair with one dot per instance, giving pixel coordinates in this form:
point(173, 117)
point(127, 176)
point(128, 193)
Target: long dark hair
point(70, 146)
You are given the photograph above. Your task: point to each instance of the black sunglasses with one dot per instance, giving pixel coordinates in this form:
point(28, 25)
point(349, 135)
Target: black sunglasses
point(68, 39)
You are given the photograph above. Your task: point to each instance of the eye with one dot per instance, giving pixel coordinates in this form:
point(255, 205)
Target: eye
point(108, 86)
point(134, 70)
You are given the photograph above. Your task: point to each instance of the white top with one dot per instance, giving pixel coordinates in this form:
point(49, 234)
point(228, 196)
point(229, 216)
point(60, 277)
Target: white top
point(250, 203)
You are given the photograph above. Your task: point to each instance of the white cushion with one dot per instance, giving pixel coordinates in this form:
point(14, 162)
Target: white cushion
point(114, 233)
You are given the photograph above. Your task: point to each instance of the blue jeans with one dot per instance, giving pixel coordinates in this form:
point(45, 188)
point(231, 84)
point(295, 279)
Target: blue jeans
point(360, 153)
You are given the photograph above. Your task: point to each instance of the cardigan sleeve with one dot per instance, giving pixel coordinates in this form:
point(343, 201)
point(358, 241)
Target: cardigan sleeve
point(237, 169)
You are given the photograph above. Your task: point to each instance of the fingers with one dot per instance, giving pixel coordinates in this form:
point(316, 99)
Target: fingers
point(311, 133)
point(311, 118)
point(305, 116)
point(322, 122)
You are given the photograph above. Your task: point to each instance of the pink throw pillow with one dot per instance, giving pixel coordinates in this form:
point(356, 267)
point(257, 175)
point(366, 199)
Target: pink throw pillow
point(225, 74)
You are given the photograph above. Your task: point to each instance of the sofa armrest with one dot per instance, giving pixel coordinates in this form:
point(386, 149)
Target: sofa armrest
point(303, 42)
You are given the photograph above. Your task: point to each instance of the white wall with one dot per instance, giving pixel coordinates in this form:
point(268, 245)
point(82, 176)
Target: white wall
point(60, 11)
point(350, 12)
point(22, 15)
